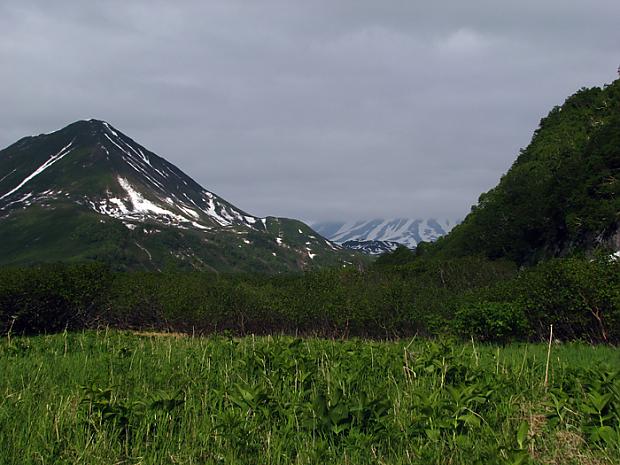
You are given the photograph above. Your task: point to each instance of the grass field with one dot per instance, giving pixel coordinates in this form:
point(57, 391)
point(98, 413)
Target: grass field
point(116, 397)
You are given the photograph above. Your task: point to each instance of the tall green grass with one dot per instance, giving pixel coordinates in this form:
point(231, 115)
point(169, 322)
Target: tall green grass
point(116, 397)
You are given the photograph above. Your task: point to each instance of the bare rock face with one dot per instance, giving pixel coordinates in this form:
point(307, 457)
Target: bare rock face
point(614, 240)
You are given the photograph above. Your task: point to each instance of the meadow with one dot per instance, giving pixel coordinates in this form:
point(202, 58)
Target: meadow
point(119, 397)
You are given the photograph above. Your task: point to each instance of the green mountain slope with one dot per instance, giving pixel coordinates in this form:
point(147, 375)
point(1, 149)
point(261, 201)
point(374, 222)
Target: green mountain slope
point(88, 192)
point(561, 194)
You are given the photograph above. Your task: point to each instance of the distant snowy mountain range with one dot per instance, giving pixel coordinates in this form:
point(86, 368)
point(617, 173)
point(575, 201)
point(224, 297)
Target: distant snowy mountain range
point(379, 235)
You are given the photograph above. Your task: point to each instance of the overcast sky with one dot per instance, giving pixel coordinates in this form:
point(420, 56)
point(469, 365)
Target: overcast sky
point(314, 109)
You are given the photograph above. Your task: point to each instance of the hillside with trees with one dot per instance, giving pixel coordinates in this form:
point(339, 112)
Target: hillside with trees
point(560, 197)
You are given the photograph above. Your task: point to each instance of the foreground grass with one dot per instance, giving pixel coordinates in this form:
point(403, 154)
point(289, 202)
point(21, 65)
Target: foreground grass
point(114, 397)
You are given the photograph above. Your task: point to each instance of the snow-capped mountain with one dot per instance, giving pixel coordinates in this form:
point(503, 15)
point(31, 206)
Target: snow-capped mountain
point(405, 231)
point(143, 186)
point(371, 247)
point(64, 195)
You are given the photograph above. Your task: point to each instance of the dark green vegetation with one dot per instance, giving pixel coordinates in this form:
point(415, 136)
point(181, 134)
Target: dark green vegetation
point(561, 195)
point(102, 197)
point(36, 236)
point(111, 397)
point(489, 300)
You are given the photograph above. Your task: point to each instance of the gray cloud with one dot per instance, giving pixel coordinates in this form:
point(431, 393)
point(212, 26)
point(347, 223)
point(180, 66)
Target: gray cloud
point(316, 110)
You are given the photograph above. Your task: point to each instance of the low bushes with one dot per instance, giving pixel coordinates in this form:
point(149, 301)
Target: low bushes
point(488, 300)
point(492, 321)
point(51, 298)
point(580, 298)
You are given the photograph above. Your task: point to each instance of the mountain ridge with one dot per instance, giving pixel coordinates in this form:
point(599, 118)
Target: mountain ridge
point(103, 176)
point(405, 231)
point(560, 197)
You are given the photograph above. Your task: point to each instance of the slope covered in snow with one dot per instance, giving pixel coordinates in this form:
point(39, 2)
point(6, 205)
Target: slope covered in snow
point(405, 231)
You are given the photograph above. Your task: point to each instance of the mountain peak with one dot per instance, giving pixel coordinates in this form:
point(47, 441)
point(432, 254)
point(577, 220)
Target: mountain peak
point(93, 127)
point(93, 163)
point(101, 125)
point(94, 171)
point(82, 131)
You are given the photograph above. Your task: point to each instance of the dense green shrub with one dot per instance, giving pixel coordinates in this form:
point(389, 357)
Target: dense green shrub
point(581, 298)
point(52, 297)
point(492, 321)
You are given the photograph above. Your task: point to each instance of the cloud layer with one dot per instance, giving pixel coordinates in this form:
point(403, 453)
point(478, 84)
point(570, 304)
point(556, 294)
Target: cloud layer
point(317, 110)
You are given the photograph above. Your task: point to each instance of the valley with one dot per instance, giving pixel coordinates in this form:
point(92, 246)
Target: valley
point(145, 319)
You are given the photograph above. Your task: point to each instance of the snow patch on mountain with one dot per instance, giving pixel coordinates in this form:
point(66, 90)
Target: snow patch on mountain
point(190, 212)
point(145, 206)
point(371, 247)
point(53, 159)
point(136, 207)
point(169, 210)
point(6, 176)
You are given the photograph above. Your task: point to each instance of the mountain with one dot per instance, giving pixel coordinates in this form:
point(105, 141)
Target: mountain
point(89, 192)
point(408, 232)
point(561, 195)
point(371, 247)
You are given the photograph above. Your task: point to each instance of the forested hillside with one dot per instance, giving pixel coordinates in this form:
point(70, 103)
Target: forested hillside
point(561, 194)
